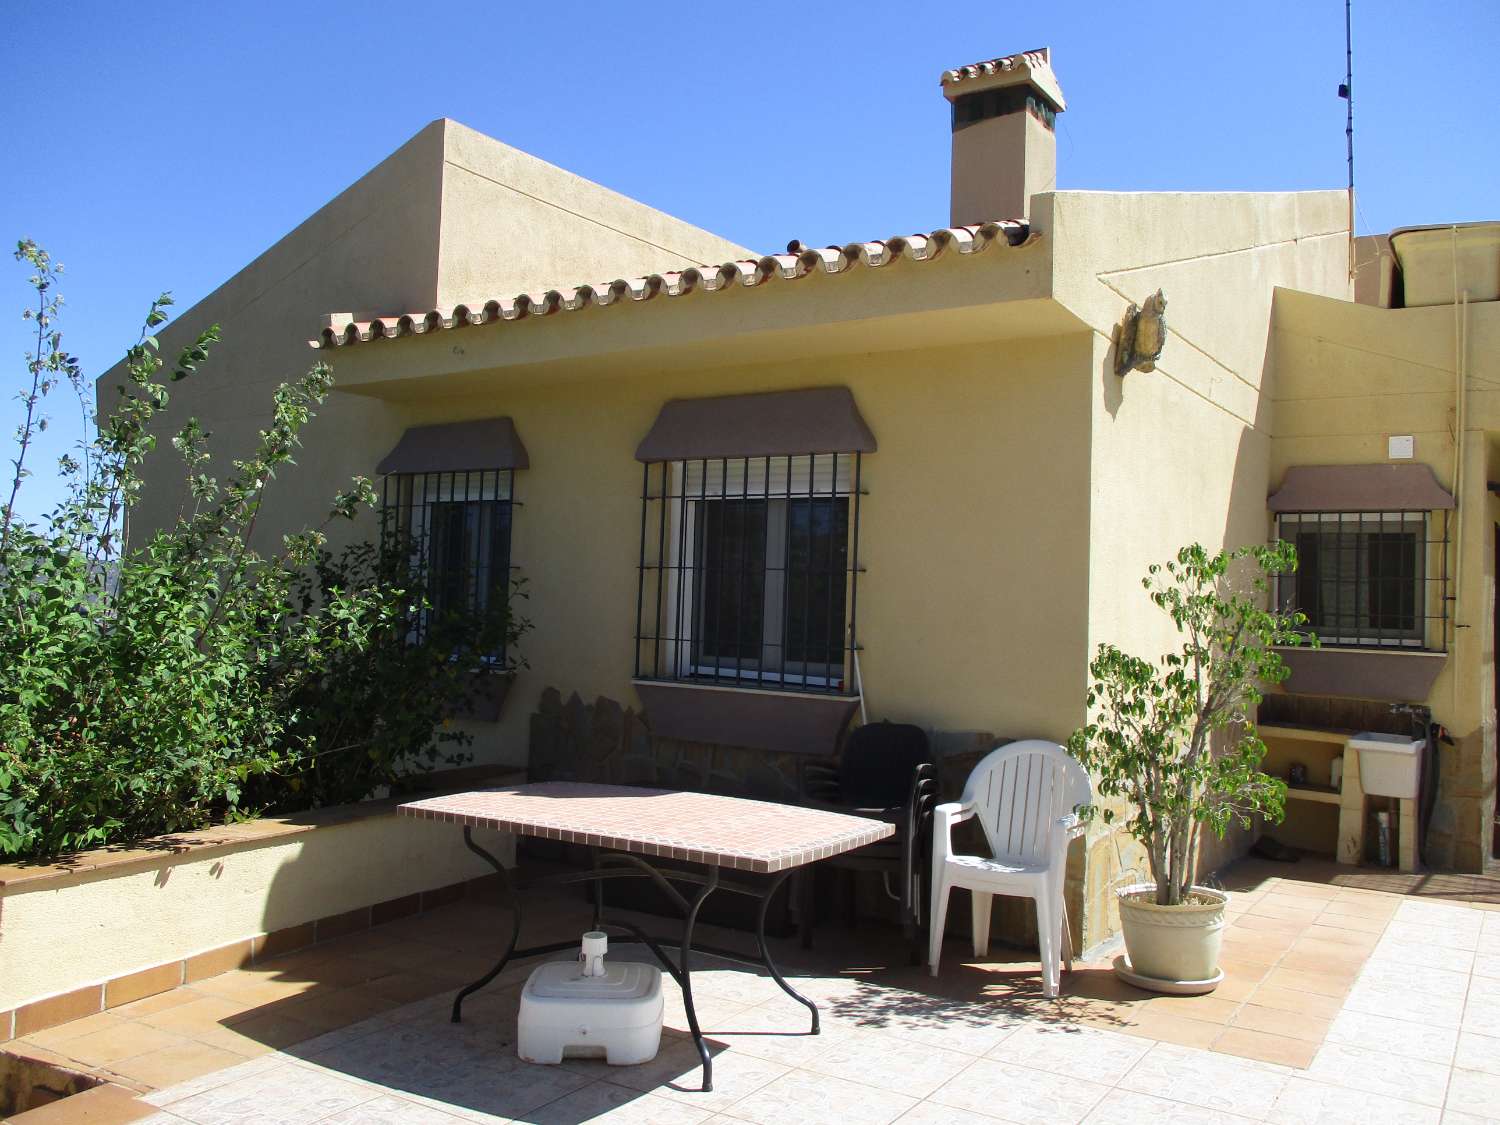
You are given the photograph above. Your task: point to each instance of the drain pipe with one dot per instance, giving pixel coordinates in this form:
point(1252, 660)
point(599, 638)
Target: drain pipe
point(1460, 435)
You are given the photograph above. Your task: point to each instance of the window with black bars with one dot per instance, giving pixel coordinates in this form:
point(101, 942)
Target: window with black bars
point(749, 571)
point(451, 530)
point(1369, 579)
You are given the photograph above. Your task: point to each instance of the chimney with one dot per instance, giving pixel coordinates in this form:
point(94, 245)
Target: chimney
point(1004, 150)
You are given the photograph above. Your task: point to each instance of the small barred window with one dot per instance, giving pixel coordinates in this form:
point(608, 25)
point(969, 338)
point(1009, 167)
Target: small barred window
point(1369, 579)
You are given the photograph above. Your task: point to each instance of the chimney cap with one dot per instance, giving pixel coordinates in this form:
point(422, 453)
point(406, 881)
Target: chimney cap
point(1033, 68)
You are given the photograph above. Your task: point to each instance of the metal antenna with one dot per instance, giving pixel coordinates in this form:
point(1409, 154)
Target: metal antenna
point(1346, 91)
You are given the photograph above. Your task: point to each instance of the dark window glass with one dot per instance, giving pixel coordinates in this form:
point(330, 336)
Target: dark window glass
point(817, 564)
point(1360, 578)
point(469, 555)
point(449, 534)
point(731, 570)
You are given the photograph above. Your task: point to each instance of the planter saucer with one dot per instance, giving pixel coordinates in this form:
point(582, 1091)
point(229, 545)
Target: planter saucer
point(1168, 987)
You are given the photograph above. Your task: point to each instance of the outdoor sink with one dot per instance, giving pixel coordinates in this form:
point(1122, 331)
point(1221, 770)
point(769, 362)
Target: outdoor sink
point(1389, 764)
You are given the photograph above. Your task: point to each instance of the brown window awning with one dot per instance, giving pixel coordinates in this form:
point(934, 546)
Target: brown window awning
point(775, 424)
point(485, 443)
point(1360, 488)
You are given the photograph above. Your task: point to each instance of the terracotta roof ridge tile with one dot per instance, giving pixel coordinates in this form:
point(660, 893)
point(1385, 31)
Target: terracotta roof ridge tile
point(796, 262)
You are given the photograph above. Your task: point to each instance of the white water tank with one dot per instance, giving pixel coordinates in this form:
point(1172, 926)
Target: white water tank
point(591, 1008)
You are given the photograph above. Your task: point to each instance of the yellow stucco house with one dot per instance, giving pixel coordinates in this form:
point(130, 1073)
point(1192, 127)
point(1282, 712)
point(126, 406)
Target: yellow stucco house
point(744, 488)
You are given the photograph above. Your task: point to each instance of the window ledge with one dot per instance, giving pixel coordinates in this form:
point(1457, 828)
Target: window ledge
point(791, 722)
point(1390, 674)
point(486, 697)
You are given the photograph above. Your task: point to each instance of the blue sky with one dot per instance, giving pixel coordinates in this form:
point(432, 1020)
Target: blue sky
point(163, 147)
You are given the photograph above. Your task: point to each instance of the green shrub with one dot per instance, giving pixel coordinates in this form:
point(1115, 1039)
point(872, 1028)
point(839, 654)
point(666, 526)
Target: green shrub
point(187, 676)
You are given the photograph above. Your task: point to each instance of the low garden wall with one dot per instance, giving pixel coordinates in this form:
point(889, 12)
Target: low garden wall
point(107, 927)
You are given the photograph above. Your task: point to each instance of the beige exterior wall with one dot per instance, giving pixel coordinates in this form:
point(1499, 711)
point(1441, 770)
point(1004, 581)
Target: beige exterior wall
point(62, 934)
point(1349, 376)
point(972, 607)
point(1179, 454)
point(450, 216)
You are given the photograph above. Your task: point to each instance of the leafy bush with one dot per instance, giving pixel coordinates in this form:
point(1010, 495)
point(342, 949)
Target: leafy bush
point(162, 684)
point(1176, 739)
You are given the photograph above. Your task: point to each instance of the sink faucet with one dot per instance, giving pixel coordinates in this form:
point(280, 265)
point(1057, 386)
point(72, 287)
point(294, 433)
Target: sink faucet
point(1420, 715)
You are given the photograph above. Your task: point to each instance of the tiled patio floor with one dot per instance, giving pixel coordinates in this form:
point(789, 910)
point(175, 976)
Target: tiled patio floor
point(1340, 1004)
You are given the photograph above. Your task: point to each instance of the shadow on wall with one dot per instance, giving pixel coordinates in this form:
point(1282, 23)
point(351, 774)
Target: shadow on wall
point(348, 877)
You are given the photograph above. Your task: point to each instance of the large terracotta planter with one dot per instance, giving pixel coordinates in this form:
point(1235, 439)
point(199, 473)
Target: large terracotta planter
point(1172, 948)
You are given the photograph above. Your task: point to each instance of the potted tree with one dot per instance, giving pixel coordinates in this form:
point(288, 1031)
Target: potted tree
point(1174, 742)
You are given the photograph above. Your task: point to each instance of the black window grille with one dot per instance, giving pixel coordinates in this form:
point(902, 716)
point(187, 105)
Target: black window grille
point(1369, 579)
point(749, 571)
point(450, 532)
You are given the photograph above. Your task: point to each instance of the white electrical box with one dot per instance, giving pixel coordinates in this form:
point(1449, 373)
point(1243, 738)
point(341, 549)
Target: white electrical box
point(1401, 447)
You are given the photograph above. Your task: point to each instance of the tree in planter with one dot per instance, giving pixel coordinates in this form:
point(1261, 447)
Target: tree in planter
point(1176, 738)
point(155, 682)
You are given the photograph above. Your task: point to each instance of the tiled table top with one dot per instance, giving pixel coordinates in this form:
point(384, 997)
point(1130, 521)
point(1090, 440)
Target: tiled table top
point(705, 828)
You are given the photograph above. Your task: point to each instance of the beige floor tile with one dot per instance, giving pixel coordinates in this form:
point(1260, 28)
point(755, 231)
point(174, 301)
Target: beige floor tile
point(253, 987)
point(1362, 907)
point(199, 1013)
point(1354, 954)
point(1253, 923)
point(1273, 1021)
point(179, 1063)
point(329, 1010)
point(1265, 1047)
point(1167, 1028)
point(113, 1043)
point(1321, 892)
point(257, 1035)
point(1275, 905)
point(103, 1105)
point(1252, 964)
point(75, 1029)
point(1020, 1094)
point(1209, 1009)
point(1350, 929)
point(1335, 967)
point(804, 1098)
point(1234, 987)
point(1318, 983)
point(149, 1005)
point(1268, 995)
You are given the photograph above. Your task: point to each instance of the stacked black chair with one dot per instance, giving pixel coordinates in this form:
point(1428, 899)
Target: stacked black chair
point(885, 772)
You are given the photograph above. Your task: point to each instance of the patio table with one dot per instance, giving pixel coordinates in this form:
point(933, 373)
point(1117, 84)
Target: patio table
point(629, 828)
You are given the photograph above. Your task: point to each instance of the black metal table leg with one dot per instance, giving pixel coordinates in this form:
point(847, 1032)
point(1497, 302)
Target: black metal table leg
point(765, 953)
point(684, 958)
point(511, 900)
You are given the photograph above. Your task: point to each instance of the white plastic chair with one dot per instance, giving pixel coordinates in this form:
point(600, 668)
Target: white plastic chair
point(1024, 795)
